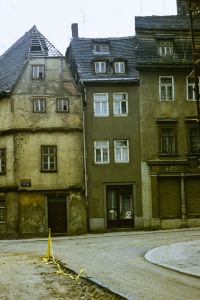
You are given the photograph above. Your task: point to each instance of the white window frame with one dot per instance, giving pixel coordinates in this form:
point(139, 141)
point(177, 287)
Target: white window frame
point(166, 88)
point(119, 67)
point(62, 105)
point(39, 105)
point(38, 71)
point(100, 67)
point(121, 149)
point(102, 48)
point(119, 103)
point(165, 48)
point(191, 85)
point(48, 158)
point(101, 108)
point(101, 149)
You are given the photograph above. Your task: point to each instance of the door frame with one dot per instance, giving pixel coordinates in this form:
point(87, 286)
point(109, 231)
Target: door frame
point(46, 208)
point(133, 188)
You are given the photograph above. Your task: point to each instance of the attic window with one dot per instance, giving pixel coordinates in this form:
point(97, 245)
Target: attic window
point(101, 48)
point(165, 48)
point(100, 65)
point(38, 72)
point(119, 67)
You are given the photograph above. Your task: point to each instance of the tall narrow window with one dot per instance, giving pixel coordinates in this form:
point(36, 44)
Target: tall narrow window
point(2, 210)
point(101, 105)
point(2, 161)
point(39, 105)
point(194, 140)
point(167, 140)
point(166, 88)
point(191, 95)
point(121, 151)
point(38, 72)
point(49, 158)
point(120, 102)
point(101, 152)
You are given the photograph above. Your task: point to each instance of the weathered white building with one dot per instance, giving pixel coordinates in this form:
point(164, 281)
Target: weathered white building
point(41, 152)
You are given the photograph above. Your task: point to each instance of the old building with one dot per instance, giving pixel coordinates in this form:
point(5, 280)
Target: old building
point(104, 70)
point(41, 149)
point(169, 124)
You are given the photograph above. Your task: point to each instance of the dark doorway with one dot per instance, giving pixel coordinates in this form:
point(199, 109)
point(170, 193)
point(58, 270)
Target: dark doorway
point(57, 214)
point(120, 206)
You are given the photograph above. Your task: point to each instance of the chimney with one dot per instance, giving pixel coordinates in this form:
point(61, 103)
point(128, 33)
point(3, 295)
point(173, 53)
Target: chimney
point(182, 7)
point(74, 28)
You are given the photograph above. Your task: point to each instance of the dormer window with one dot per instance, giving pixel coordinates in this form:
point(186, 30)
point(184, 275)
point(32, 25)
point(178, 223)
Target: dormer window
point(165, 48)
point(101, 48)
point(119, 67)
point(100, 67)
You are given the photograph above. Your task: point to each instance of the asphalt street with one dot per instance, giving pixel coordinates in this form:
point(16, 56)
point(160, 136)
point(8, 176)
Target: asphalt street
point(138, 265)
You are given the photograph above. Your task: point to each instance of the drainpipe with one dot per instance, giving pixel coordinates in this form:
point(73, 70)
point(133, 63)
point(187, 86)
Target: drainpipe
point(85, 154)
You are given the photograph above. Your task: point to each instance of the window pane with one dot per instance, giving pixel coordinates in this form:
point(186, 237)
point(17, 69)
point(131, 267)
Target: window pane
point(2, 160)
point(166, 88)
point(121, 151)
point(194, 140)
point(167, 141)
point(2, 210)
point(101, 149)
point(62, 105)
point(101, 104)
point(48, 158)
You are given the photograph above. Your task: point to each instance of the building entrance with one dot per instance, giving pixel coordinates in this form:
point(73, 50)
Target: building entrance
point(120, 206)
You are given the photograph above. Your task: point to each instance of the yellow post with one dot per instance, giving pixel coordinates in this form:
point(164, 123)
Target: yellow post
point(48, 253)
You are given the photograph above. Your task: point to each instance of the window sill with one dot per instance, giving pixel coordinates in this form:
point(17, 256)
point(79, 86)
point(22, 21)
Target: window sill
point(168, 154)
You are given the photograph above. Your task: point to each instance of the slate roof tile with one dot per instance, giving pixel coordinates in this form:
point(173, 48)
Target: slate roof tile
point(151, 28)
point(80, 56)
point(12, 62)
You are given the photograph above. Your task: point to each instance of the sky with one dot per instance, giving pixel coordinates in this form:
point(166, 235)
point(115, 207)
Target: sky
point(95, 18)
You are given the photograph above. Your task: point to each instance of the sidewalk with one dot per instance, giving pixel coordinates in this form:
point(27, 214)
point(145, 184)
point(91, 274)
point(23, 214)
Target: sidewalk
point(183, 257)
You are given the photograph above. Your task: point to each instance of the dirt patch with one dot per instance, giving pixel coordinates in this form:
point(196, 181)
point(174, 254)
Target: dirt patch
point(26, 277)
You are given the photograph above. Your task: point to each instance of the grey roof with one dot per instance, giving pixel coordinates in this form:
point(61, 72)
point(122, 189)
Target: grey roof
point(176, 22)
point(12, 62)
point(80, 56)
point(149, 30)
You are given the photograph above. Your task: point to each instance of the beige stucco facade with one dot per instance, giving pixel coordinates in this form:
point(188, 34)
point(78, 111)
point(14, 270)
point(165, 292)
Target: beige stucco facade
point(26, 189)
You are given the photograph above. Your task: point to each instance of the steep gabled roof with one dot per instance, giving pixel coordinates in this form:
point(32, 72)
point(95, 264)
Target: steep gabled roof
point(80, 56)
point(12, 62)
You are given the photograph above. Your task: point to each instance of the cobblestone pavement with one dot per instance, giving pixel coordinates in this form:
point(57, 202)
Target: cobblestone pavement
point(117, 261)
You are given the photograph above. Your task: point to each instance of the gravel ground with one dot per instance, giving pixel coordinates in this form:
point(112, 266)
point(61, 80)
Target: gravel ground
point(26, 277)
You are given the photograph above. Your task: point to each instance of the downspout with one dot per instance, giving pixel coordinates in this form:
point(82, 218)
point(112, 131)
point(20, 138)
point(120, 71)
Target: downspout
point(85, 155)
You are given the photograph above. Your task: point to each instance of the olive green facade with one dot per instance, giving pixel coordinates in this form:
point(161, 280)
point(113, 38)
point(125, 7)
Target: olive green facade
point(102, 176)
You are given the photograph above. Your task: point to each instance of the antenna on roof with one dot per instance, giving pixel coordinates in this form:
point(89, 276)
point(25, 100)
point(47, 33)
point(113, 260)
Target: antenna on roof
point(164, 6)
point(83, 22)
